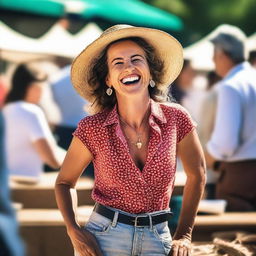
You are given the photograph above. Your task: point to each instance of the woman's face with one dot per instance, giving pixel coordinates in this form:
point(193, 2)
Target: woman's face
point(128, 70)
point(34, 92)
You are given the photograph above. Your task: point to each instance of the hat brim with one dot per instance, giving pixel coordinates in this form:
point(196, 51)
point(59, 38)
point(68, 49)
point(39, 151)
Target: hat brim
point(167, 48)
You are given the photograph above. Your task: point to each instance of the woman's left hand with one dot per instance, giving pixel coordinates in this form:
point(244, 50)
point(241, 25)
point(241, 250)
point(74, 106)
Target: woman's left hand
point(181, 247)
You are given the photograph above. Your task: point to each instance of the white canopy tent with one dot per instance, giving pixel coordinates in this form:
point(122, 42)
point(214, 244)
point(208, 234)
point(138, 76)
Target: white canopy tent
point(56, 41)
point(251, 42)
point(200, 54)
point(16, 47)
point(84, 37)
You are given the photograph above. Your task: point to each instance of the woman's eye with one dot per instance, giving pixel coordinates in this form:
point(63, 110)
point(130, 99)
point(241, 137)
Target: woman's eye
point(135, 60)
point(118, 63)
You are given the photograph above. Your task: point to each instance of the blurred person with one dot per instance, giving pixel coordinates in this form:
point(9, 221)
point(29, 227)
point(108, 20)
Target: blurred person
point(183, 82)
point(29, 142)
point(188, 90)
point(71, 113)
point(252, 58)
point(194, 96)
point(3, 89)
point(206, 124)
point(10, 242)
point(132, 139)
point(70, 104)
point(208, 108)
point(232, 146)
point(47, 102)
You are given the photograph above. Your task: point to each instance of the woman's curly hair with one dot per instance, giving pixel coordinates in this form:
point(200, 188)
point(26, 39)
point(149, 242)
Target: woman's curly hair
point(99, 72)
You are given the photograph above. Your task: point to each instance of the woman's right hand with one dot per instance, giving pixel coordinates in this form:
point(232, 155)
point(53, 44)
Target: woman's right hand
point(84, 242)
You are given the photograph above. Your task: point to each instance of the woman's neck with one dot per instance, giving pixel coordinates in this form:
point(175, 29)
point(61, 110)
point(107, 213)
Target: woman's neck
point(133, 110)
point(31, 101)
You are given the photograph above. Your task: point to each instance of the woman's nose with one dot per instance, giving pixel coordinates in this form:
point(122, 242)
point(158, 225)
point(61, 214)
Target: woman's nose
point(129, 65)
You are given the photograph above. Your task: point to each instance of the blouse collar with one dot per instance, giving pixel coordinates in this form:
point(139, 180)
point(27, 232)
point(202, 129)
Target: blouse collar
point(156, 111)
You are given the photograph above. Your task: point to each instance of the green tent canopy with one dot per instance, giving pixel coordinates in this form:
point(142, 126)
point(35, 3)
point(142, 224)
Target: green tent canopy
point(41, 7)
point(131, 11)
point(125, 11)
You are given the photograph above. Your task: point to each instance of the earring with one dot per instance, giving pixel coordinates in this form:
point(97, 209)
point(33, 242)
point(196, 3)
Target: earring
point(152, 83)
point(109, 91)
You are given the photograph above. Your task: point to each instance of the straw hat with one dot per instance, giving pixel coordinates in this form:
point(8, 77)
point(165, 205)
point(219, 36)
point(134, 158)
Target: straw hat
point(167, 48)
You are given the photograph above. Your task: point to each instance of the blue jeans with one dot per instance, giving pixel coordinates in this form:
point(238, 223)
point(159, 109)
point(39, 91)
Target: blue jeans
point(118, 239)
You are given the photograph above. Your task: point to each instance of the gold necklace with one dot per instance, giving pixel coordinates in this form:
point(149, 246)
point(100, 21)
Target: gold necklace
point(138, 143)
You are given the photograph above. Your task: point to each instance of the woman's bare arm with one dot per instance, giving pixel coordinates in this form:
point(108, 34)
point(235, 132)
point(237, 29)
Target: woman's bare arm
point(77, 158)
point(192, 157)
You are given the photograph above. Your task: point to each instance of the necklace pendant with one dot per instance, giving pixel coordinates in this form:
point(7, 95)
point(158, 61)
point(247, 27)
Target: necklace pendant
point(139, 144)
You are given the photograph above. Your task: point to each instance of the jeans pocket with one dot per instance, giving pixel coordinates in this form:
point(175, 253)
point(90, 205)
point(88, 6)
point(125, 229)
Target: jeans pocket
point(162, 233)
point(98, 228)
point(98, 224)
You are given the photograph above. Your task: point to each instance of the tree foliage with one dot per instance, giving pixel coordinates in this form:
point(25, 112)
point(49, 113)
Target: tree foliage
point(200, 17)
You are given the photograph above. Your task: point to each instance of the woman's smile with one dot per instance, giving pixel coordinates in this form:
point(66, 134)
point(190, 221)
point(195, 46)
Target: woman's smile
point(128, 68)
point(130, 79)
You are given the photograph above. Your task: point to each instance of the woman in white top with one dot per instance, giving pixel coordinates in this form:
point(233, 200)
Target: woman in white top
point(29, 142)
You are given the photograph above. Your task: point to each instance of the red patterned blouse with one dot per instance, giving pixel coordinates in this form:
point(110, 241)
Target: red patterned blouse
point(119, 183)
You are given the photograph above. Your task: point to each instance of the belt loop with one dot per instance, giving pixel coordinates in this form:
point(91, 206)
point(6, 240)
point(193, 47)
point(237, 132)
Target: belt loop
point(150, 222)
point(136, 220)
point(114, 221)
point(95, 206)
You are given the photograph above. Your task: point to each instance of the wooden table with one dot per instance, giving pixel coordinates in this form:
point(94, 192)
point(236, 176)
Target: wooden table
point(41, 195)
point(206, 225)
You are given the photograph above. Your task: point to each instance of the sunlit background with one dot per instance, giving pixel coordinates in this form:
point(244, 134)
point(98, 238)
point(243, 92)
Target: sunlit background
point(51, 33)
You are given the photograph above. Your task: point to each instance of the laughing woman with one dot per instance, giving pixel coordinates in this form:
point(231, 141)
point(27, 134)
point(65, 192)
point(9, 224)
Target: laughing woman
point(133, 140)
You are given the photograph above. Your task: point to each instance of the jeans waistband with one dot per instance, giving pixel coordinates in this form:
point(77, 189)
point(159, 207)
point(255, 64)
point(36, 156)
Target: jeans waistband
point(140, 220)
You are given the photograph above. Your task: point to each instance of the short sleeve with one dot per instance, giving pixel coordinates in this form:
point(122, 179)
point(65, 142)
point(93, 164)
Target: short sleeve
point(37, 126)
point(226, 136)
point(185, 124)
point(84, 132)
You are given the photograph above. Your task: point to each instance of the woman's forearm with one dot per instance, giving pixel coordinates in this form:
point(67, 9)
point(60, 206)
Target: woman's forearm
point(192, 194)
point(66, 204)
point(77, 159)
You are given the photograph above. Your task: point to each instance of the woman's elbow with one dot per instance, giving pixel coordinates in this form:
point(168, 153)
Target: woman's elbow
point(199, 176)
point(202, 172)
point(203, 179)
point(198, 179)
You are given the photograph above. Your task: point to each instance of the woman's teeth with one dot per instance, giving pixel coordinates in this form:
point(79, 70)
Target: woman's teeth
point(130, 80)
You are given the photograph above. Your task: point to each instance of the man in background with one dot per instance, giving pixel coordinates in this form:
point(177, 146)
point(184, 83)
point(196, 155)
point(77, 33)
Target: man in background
point(232, 146)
